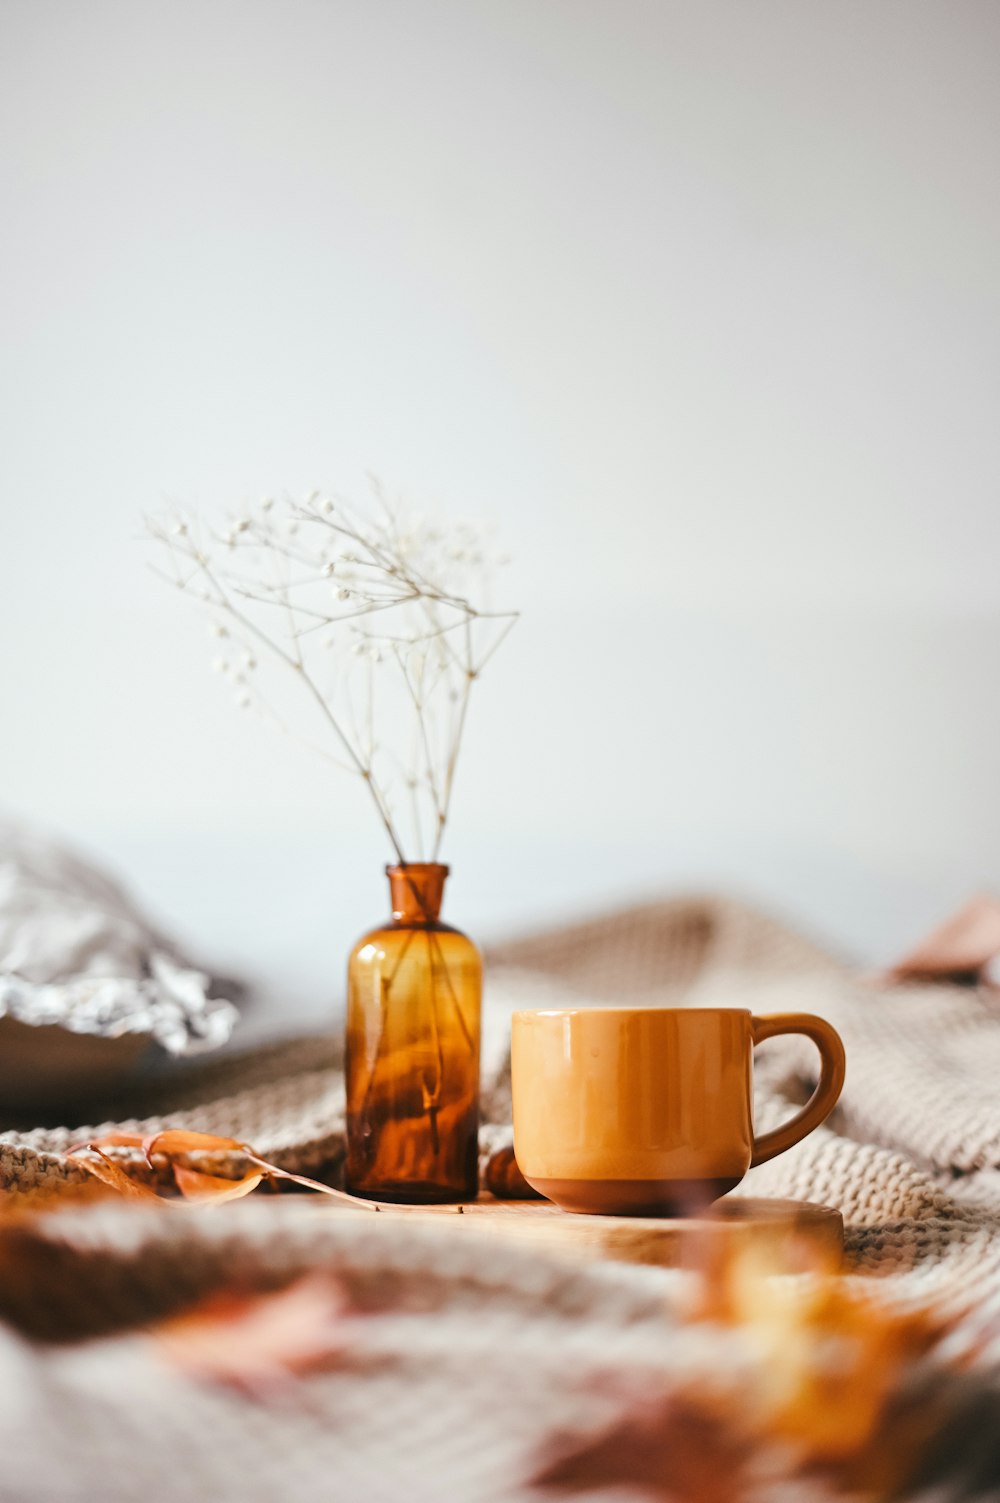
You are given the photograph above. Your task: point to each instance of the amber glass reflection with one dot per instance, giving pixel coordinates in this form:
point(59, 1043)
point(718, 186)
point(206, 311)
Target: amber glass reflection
point(412, 1061)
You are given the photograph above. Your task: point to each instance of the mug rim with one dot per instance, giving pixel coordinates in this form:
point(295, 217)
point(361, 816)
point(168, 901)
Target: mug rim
point(597, 1012)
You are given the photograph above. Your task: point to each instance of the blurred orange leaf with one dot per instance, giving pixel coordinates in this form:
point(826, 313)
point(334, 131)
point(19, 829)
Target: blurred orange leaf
point(259, 1343)
point(831, 1384)
point(962, 947)
point(676, 1450)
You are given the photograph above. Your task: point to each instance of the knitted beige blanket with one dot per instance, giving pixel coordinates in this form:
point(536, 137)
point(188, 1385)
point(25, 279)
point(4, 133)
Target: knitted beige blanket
point(465, 1368)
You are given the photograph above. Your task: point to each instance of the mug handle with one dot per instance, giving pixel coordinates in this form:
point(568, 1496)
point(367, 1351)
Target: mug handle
point(823, 1099)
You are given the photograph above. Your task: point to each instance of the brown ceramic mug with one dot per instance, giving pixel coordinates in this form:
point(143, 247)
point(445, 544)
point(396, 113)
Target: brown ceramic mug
point(646, 1111)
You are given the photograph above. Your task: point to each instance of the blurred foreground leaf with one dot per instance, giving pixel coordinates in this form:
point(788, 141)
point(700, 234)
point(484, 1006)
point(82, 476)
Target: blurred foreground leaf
point(260, 1343)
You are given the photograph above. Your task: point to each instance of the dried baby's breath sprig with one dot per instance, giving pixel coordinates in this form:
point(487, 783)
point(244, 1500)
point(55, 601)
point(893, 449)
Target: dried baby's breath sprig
point(384, 619)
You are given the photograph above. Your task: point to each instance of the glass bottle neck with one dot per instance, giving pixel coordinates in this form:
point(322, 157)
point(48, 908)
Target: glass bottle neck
point(416, 889)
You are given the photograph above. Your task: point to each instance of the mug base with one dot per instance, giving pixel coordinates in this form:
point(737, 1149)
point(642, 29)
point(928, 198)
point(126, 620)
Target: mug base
point(634, 1197)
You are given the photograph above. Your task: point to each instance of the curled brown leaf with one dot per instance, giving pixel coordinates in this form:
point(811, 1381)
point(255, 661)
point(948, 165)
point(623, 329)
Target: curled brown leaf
point(174, 1144)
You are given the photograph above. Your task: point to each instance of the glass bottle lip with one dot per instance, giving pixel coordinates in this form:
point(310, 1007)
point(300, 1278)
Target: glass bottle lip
point(401, 868)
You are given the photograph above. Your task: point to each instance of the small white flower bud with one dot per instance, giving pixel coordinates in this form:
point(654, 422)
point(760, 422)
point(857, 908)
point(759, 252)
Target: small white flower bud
point(343, 594)
point(328, 570)
point(180, 529)
point(266, 502)
point(326, 507)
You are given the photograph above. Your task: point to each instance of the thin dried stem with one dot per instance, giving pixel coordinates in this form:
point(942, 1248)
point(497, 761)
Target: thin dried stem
point(386, 591)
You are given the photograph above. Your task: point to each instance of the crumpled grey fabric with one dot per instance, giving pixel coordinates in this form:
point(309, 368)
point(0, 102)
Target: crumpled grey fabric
point(76, 952)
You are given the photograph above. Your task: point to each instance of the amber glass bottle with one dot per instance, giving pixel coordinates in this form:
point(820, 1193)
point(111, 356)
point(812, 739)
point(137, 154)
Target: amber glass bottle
point(412, 1059)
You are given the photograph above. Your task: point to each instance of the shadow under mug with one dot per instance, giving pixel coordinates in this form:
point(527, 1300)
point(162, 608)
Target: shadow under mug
point(649, 1111)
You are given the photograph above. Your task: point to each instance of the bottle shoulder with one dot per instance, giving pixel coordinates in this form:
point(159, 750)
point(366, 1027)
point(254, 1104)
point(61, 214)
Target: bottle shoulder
point(392, 938)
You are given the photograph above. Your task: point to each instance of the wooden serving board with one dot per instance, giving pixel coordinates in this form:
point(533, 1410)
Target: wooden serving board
point(787, 1232)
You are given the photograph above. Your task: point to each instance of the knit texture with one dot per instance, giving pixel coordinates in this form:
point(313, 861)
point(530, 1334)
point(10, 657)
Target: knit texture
point(462, 1371)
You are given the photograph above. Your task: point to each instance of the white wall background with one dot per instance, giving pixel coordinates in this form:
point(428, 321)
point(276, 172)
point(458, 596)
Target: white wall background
point(699, 301)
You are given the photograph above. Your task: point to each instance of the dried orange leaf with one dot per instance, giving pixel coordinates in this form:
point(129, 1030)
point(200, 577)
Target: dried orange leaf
point(259, 1343)
point(194, 1185)
point(673, 1449)
point(104, 1168)
point(174, 1140)
point(180, 1141)
point(110, 1140)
